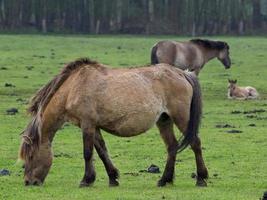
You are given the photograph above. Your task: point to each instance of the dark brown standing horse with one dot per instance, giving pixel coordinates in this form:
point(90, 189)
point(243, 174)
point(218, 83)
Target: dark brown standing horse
point(123, 102)
point(191, 55)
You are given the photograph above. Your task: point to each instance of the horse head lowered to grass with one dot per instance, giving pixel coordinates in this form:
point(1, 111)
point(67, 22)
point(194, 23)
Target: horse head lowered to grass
point(123, 102)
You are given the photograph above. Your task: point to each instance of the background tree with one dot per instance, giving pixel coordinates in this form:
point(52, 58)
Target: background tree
point(186, 17)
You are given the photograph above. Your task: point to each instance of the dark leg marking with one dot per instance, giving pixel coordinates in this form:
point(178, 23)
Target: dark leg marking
point(165, 126)
point(88, 148)
point(202, 172)
point(103, 154)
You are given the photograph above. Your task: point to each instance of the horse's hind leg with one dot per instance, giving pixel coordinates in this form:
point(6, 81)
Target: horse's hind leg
point(88, 148)
point(165, 126)
point(181, 121)
point(101, 149)
point(202, 172)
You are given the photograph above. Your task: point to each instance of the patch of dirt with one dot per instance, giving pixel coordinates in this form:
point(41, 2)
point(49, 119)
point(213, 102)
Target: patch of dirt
point(224, 75)
point(234, 131)
point(236, 112)
point(251, 116)
point(254, 111)
point(22, 101)
point(261, 118)
point(248, 111)
point(30, 67)
point(38, 56)
point(252, 125)
point(12, 111)
point(131, 173)
point(4, 172)
point(9, 85)
point(115, 156)
point(154, 169)
point(64, 155)
point(224, 126)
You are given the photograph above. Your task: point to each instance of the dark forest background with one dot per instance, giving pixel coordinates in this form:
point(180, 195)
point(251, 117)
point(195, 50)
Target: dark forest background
point(183, 17)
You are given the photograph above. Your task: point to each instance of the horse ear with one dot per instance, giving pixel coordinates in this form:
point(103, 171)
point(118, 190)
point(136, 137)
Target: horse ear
point(235, 81)
point(226, 46)
point(229, 80)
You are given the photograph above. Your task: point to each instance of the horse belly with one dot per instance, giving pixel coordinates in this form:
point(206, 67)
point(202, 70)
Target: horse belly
point(129, 108)
point(129, 120)
point(132, 125)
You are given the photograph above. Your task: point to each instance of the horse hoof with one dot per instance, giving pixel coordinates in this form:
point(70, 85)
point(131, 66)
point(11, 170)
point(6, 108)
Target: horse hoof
point(84, 184)
point(201, 183)
point(161, 183)
point(113, 183)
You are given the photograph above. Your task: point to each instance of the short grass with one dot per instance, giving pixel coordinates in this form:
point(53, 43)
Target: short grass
point(237, 162)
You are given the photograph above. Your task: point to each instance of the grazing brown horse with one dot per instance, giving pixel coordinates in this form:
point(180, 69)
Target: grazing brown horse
point(241, 93)
point(123, 102)
point(191, 55)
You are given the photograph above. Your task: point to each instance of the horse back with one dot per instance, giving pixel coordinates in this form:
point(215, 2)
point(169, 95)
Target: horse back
point(183, 55)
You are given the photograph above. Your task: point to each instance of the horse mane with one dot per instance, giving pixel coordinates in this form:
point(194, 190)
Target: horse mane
point(219, 45)
point(43, 96)
point(32, 134)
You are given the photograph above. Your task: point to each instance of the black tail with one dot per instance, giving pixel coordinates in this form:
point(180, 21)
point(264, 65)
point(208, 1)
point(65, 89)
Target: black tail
point(195, 113)
point(154, 58)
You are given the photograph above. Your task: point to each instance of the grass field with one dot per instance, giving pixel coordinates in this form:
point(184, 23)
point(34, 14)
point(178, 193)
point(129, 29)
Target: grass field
point(237, 162)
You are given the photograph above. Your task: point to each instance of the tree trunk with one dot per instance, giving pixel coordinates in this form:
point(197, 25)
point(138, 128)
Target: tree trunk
point(151, 10)
point(91, 16)
point(256, 14)
point(119, 14)
point(150, 16)
point(241, 27)
point(97, 26)
point(44, 13)
point(3, 12)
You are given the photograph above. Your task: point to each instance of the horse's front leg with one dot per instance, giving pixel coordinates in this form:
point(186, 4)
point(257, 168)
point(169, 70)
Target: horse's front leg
point(88, 148)
point(102, 151)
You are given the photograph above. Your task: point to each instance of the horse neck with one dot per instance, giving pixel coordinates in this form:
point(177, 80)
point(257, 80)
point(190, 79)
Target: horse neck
point(209, 54)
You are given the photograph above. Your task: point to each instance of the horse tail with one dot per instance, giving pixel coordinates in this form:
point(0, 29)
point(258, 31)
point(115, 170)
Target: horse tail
point(154, 58)
point(195, 113)
point(31, 136)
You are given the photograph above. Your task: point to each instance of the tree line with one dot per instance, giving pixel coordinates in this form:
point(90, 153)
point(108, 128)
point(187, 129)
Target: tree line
point(184, 17)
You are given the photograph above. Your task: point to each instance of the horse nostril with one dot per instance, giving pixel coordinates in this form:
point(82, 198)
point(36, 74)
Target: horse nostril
point(27, 183)
point(35, 183)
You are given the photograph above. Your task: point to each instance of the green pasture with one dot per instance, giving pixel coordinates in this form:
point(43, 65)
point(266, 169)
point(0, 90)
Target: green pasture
point(237, 162)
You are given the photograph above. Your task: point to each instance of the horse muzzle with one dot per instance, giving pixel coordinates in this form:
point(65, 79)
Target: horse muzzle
point(34, 183)
point(227, 64)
